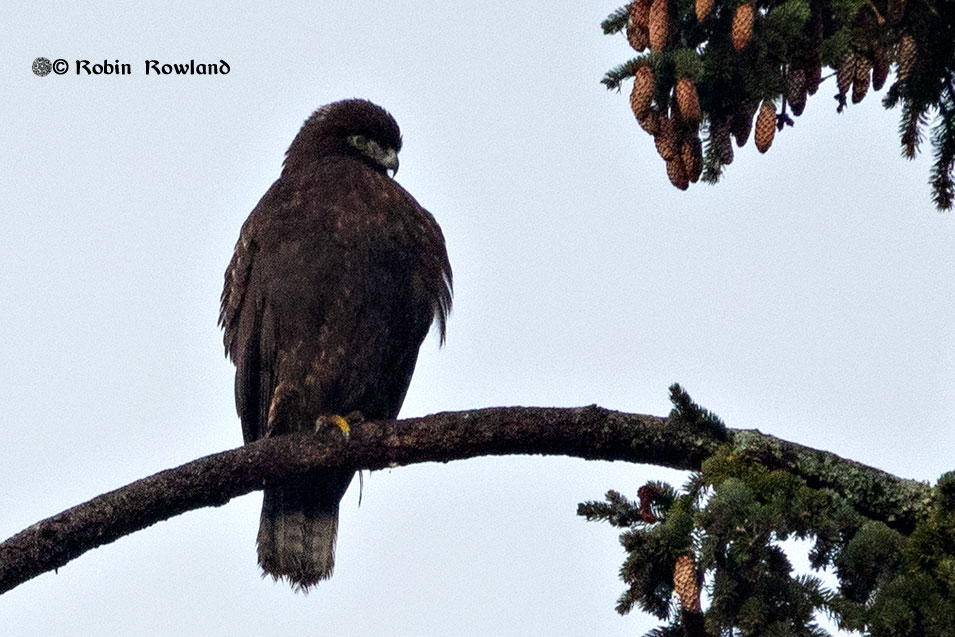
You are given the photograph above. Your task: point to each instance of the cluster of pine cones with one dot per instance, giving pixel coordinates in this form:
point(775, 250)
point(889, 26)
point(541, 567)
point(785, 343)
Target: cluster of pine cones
point(674, 121)
point(869, 54)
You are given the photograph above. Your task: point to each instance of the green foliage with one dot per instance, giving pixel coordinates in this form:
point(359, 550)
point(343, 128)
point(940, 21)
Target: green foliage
point(687, 413)
point(687, 63)
point(846, 10)
point(792, 42)
point(834, 48)
point(730, 519)
point(943, 141)
point(615, 22)
point(946, 491)
point(913, 604)
point(867, 560)
point(782, 27)
point(617, 510)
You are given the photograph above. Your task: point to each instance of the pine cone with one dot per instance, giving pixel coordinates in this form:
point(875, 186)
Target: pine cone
point(703, 9)
point(765, 126)
point(659, 25)
point(905, 57)
point(721, 142)
point(880, 68)
point(687, 101)
point(691, 152)
point(650, 122)
point(796, 90)
point(641, 97)
point(860, 79)
point(741, 123)
point(677, 173)
point(638, 35)
point(813, 78)
point(845, 73)
point(742, 26)
point(665, 138)
point(685, 584)
point(639, 11)
point(895, 11)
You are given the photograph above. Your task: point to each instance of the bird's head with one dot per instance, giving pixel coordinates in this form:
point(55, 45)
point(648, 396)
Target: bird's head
point(356, 128)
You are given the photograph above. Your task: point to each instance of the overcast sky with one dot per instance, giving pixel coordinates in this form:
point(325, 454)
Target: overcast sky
point(809, 295)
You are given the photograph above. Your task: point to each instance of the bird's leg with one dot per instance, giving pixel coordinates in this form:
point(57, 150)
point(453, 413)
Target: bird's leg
point(326, 420)
point(355, 417)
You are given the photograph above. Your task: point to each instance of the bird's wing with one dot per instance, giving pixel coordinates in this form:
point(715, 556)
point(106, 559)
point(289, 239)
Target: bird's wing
point(249, 336)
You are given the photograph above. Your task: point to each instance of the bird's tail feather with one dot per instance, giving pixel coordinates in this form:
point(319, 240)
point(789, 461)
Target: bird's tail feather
point(298, 529)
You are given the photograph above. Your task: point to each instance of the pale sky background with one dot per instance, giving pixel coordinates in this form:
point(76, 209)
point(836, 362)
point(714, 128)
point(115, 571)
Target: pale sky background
point(810, 295)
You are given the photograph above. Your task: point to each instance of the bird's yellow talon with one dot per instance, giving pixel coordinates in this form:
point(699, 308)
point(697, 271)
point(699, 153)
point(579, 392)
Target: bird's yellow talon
point(334, 419)
point(342, 424)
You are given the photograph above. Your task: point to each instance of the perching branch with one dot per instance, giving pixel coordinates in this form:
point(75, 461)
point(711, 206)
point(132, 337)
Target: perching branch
point(591, 433)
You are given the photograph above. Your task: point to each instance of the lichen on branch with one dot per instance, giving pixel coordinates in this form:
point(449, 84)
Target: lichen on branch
point(891, 549)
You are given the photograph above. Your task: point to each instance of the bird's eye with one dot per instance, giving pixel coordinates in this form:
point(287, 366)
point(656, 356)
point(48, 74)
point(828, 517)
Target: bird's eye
point(387, 158)
point(358, 141)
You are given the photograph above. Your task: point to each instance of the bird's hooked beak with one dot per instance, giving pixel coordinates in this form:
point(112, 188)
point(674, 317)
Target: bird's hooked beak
point(390, 161)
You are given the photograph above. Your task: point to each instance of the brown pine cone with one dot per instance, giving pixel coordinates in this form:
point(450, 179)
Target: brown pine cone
point(880, 68)
point(641, 97)
point(860, 79)
point(813, 79)
point(650, 122)
point(677, 173)
point(638, 35)
point(722, 142)
point(639, 11)
point(687, 101)
point(703, 9)
point(741, 123)
point(905, 58)
point(895, 11)
point(691, 152)
point(845, 73)
point(659, 25)
point(765, 126)
point(742, 26)
point(665, 138)
point(685, 584)
point(796, 90)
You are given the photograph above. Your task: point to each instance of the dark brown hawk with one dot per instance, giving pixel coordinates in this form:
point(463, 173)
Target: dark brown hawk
point(335, 280)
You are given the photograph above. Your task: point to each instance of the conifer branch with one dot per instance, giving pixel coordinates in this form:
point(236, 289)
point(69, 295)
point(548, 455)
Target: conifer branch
point(615, 22)
point(735, 54)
